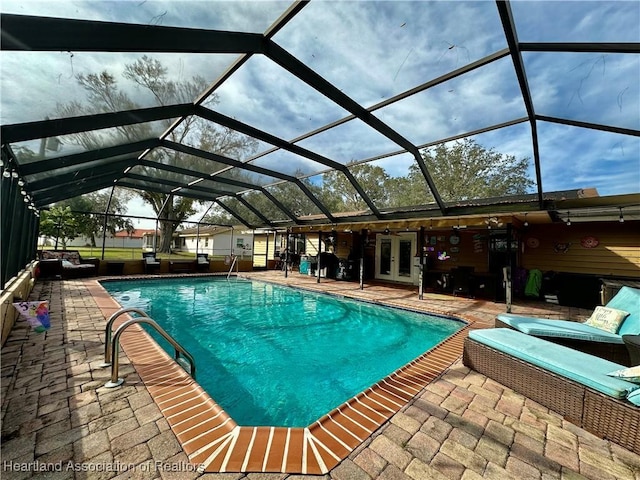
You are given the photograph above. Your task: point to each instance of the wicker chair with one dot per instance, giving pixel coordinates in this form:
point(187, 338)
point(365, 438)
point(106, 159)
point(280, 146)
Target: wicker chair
point(607, 417)
point(151, 263)
point(576, 335)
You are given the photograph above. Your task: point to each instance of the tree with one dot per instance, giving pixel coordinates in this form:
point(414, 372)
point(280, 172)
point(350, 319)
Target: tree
point(60, 223)
point(467, 171)
point(338, 189)
point(151, 77)
point(91, 224)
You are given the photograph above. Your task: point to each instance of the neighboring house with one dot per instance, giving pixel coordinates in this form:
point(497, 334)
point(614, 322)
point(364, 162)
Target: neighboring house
point(122, 239)
point(150, 238)
point(133, 239)
point(216, 241)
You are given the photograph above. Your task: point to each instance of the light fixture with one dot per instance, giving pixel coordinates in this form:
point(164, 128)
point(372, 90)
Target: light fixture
point(23, 193)
point(621, 219)
point(14, 174)
point(21, 183)
point(6, 174)
point(568, 218)
point(526, 224)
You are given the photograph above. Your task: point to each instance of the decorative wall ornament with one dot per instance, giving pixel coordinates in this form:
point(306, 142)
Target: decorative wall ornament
point(561, 247)
point(589, 242)
point(478, 243)
point(442, 256)
point(533, 242)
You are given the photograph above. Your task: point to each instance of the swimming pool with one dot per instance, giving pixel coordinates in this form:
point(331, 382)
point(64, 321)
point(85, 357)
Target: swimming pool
point(272, 355)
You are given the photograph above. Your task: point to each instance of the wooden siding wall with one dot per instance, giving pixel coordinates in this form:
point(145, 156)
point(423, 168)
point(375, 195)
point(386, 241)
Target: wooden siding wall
point(617, 253)
point(259, 250)
point(312, 245)
point(344, 244)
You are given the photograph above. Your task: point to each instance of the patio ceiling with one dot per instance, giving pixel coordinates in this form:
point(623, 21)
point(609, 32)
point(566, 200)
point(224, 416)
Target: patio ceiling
point(320, 87)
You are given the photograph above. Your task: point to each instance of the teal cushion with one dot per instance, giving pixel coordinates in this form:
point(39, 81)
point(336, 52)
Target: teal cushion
point(628, 299)
point(544, 327)
point(578, 366)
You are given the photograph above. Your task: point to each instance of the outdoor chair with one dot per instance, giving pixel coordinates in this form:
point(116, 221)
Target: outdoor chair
point(202, 262)
point(151, 263)
point(597, 395)
point(591, 336)
point(67, 264)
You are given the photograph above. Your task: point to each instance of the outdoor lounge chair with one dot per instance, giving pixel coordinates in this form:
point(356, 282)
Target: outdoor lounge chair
point(67, 264)
point(202, 262)
point(582, 336)
point(151, 263)
point(574, 384)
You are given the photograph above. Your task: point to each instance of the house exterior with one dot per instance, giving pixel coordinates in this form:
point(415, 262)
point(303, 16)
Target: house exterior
point(121, 239)
point(150, 239)
point(124, 239)
point(216, 241)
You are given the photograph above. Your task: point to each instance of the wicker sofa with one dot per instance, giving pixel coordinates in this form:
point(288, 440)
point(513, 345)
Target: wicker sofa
point(574, 384)
point(66, 264)
point(581, 336)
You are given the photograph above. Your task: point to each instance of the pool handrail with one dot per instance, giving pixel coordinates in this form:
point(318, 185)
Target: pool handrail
point(235, 260)
point(109, 327)
point(114, 343)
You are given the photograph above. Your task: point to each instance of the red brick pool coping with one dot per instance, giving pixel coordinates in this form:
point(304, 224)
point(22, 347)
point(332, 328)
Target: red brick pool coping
point(215, 443)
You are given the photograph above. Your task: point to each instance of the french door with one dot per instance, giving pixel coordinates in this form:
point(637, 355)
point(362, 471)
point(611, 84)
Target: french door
point(394, 257)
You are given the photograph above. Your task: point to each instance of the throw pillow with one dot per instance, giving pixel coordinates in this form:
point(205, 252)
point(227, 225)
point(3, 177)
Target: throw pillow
point(607, 319)
point(631, 374)
point(634, 397)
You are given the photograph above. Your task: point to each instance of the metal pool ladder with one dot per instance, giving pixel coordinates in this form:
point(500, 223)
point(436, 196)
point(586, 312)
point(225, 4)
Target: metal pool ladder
point(111, 345)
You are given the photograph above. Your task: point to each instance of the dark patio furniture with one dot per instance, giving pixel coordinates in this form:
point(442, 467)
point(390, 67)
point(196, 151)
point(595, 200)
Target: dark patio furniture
point(202, 262)
point(151, 263)
point(632, 343)
point(67, 264)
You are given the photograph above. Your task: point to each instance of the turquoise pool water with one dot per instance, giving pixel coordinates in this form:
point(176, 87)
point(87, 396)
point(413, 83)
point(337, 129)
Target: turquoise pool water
point(272, 355)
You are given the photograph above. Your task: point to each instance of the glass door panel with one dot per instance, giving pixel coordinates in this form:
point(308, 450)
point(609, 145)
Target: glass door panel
point(405, 257)
point(385, 256)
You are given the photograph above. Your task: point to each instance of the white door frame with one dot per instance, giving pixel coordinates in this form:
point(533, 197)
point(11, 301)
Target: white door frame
point(392, 243)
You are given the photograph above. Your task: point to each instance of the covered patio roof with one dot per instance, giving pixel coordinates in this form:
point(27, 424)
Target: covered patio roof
point(318, 88)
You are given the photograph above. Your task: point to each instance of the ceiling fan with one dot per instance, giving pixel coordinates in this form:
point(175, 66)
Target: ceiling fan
point(492, 222)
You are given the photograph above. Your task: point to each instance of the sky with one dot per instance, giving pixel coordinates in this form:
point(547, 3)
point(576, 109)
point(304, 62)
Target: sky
point(372, 51)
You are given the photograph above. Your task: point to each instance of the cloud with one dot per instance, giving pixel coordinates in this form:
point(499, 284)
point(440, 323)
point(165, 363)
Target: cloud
point(576, 158)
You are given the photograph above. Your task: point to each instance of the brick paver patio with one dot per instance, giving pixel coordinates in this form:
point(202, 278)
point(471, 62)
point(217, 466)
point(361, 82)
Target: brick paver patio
point(57, 414)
